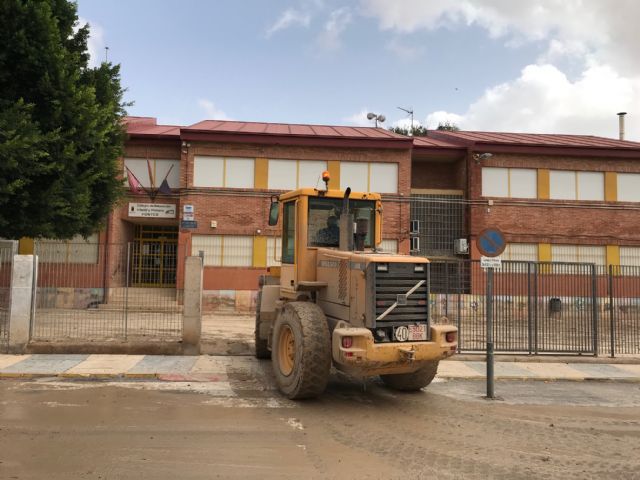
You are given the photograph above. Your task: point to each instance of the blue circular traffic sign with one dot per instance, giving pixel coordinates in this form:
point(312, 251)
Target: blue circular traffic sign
point(491, 242)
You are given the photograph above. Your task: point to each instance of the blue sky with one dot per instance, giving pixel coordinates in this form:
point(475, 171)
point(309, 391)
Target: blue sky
point(538, 66)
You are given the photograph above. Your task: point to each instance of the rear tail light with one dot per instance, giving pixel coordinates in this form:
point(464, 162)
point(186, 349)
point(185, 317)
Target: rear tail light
point(450, 337)
point(347, 342)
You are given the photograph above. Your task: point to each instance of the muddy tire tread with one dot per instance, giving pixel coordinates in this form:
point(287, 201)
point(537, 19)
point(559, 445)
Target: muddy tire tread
point(411, 382)
point(311, 373)
point(261, 344)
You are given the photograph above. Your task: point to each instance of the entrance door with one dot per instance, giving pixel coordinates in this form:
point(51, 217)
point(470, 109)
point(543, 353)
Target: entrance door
point(153, 256)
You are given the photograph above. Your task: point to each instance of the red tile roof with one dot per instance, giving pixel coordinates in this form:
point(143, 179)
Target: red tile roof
point(291, 129)
point(430, 142)
point(148, 126)
point(531, 139)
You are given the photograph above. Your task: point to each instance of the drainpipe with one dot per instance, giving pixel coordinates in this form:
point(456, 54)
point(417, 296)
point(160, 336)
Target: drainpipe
point(621, 124)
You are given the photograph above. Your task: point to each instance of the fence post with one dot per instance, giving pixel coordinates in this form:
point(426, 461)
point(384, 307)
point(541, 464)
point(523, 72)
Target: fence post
point(529, 319)
point(594, 307)
point(192, 317)
point(23, 277)
point(612, 331)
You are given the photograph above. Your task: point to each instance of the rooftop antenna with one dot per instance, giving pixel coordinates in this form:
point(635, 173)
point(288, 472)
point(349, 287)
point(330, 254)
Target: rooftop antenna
point(410, 112)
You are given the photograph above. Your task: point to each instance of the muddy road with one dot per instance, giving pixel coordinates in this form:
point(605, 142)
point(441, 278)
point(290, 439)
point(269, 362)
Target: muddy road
point(242, 428)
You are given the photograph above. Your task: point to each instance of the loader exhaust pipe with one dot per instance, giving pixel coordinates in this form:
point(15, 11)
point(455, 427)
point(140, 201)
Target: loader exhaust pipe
point(346, 224)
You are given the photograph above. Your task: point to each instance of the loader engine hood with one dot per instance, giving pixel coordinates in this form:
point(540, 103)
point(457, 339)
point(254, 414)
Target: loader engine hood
point(381, 291)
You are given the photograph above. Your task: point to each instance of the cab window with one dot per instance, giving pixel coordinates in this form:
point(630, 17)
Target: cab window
point(324, 217)
point(289, 232)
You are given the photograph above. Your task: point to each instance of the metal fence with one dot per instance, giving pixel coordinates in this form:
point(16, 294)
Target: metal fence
point(562, 308)
point(7, 251)
point(88, 292)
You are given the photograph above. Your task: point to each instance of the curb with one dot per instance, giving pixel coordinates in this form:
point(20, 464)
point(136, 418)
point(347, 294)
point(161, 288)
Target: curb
point(213, 377)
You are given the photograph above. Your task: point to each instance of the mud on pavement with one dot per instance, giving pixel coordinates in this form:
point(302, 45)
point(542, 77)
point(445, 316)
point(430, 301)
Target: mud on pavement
point(240, 427)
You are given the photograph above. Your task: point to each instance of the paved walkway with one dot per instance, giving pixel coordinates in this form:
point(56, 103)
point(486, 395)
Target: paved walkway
point(214, 368)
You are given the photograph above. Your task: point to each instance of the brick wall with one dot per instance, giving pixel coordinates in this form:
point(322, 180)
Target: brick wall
point(555, 221)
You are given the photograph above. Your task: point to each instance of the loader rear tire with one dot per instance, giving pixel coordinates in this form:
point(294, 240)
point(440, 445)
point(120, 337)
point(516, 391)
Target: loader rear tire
point(411, 382)
point(301, 350)
point(262, 347)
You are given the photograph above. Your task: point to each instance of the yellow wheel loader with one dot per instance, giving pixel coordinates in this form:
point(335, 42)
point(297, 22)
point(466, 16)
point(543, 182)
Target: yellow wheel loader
point(338, 300)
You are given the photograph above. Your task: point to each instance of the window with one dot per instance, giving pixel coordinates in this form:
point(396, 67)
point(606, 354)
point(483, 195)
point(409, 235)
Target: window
point(289, 232)
point(441, 220)
point(579, 253)
point(224, 172)
point(569, 185)
point(590, 186)
point(274, 251)
point(292, 174)
point(76, 250)
point(154, 169)
point(324, 214)
point(521, 252)
point(369, 176)
point(509, 182)
point(224, 250)
point(630, 256)
point(383, 177)
point(389, 246)
point(629, 187)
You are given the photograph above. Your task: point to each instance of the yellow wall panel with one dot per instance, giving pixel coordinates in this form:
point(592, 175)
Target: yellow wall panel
point(25, 246)
point(260, 252)
point(611, 186)
point(261, 174)
point(334, 170)
point(544, 252)
point(613, 255)
point(543, 184)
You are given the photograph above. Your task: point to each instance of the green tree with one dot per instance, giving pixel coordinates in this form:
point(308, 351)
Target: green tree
point(61, 128)
point(450, 126)
point(415, 131)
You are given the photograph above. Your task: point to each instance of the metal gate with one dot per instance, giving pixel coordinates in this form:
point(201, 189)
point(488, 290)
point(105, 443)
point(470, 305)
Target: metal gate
point(84, 294)
point(7, 251)
point(538, 307)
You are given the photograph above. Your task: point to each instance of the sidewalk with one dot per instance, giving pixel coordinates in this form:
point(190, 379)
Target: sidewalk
point(214, 368)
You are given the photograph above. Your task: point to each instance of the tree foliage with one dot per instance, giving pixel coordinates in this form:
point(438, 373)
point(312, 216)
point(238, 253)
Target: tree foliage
point(416, 131)
point(449, 126)
point(61, 128)
point(421, 131)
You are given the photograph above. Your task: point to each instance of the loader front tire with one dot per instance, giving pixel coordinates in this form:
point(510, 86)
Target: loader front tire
point(301, 350)
point(411, 382)
point(262, 347)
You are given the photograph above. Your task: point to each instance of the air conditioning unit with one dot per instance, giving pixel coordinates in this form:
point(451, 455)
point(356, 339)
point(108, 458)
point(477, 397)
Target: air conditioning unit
point(460, 246)
point(415, 227)
point(415, 244)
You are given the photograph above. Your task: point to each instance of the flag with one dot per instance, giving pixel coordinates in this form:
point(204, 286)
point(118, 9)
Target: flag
point(164, 188)
point(152, 179)
point(134, 184)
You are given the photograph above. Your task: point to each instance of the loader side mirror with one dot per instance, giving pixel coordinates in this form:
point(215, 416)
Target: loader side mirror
point(274, 210)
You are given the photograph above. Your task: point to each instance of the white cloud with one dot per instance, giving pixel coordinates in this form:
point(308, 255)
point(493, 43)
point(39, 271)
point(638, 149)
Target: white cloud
point(607, 29)
point(360, 119)
point(404, 50)
point(95, 43)
point(337, 23)
point(544, 100)
point(210, 109)
point(289, 18)
point(600, 36)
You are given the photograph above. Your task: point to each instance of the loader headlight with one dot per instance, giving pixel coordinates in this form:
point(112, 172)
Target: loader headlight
point(382, 267)
point(419, 267)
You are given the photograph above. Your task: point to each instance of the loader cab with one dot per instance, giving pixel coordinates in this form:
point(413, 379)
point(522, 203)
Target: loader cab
point(311, 220)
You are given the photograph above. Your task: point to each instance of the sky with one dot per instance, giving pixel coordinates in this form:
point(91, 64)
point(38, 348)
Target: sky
point(537, 66)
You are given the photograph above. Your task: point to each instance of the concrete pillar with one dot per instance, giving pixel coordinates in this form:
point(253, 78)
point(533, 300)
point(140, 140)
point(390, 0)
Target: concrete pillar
point(22, 279)
point(192, 317)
